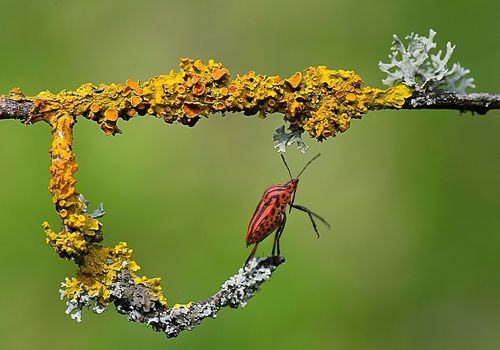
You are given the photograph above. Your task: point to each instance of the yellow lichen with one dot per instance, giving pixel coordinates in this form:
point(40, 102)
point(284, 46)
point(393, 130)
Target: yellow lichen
point(99, 268)
point(79, 231)
point(72, 288)
point(393, 97)
point(154, 288)
point(179, 306)
point(67, 244)
point(318, 100)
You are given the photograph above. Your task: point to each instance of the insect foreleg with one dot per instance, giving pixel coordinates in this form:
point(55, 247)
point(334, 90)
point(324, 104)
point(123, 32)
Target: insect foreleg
point(312, 215)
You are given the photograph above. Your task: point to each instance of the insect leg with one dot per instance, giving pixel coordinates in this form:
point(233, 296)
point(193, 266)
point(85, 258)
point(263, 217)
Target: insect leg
point(252, 253)
point(277, 236)
point(312, 215)
point(274, 243)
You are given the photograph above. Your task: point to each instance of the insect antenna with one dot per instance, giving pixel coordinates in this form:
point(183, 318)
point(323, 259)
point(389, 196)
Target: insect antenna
point(287, 168)
point(304, 168)
point(309, 162)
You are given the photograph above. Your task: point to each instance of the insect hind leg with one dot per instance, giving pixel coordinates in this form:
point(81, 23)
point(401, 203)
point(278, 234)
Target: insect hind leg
point(277, 236)
point(252, 253)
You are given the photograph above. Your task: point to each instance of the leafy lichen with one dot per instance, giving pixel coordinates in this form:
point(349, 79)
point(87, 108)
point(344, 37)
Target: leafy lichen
point(285, 139)
point(416, 66)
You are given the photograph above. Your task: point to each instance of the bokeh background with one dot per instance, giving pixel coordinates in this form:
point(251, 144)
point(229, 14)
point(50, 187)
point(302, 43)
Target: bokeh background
point(412, 260)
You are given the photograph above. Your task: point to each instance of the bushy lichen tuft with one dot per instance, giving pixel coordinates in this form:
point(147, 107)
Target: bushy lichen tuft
point(415, 66)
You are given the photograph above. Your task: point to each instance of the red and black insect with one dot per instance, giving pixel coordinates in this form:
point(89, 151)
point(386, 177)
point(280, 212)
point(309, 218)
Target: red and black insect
point(270, 214)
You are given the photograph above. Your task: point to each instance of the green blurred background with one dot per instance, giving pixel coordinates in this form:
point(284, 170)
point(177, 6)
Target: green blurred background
point(412, 260)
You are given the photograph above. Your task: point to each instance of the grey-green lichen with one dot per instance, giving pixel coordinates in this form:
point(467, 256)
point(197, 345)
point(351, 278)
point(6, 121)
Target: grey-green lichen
point(416, 66)
point(285, 139)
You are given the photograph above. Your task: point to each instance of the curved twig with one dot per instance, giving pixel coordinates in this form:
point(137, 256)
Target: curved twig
point(129, 298)
point(141, 304)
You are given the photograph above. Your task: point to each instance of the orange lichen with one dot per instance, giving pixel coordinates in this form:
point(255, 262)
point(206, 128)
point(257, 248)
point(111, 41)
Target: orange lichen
point(109, 128)
point(198, 89)
point(111, 114)
point(119, 87)
point(94, 108)
point(191, 110)
point(135, 100)
point(350, 97)
point(294, 80)
point(126, 91)
point(195, 78)
point(220, 73)
point(132, 84)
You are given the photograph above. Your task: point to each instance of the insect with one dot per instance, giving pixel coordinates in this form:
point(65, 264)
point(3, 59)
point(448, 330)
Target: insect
point(270, 214)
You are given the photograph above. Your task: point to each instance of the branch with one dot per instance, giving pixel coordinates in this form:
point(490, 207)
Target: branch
point(320, 101)
point(15, 109)
point(20, 107)
point(480, 102)
point(134, 300)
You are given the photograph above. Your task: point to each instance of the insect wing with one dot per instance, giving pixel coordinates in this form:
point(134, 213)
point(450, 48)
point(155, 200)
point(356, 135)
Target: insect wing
point(262, 212)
